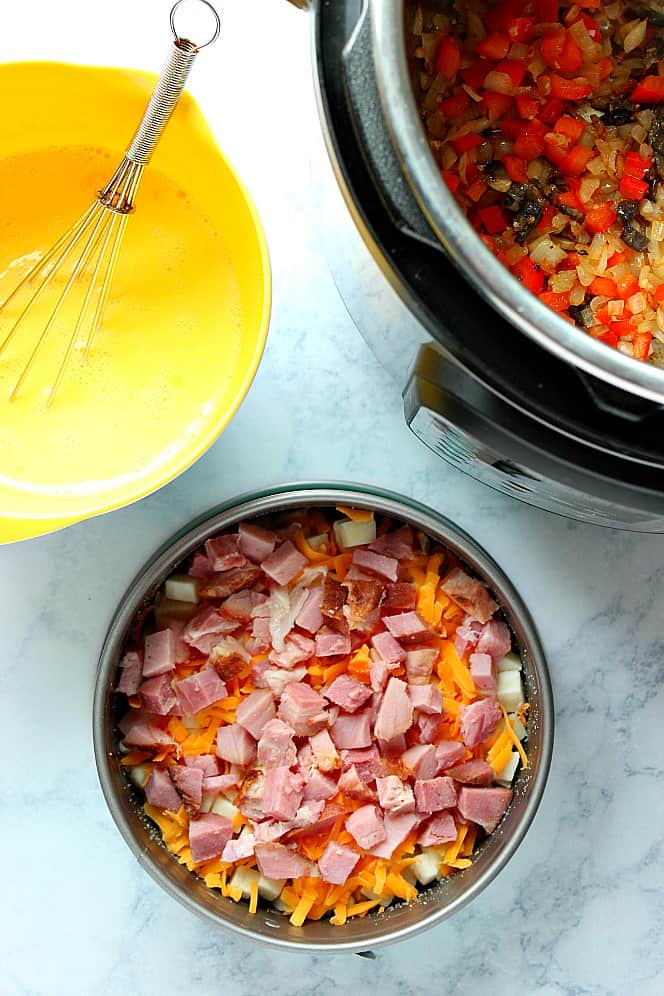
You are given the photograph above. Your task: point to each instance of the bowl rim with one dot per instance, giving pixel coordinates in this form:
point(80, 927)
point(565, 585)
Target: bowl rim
point(281, 497)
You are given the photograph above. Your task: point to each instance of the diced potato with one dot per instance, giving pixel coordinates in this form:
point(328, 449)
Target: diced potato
point(170, 608)
point(426, 866)
point(316, 542)
point(506, 774)
point(270, 888)
point(510, 690)
point(181, 588)
point(518, 726)
point(349, 533)
point(276, 902)
point(242, 879)
point(222, 807)
point(190, 723)
point(207, 802)
point(139, 774)
point(510, 662)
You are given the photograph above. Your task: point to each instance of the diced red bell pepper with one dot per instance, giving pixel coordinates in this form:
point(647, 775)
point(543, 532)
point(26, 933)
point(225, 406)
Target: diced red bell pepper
point(572, 261)
point(576, 89)
point(592, 27)
point(546, 11)
point(527, 107)
point(576, 160)
point(617, 259)
point(603, 316)
point(626, 286)
point(560, 51)
point(641, 344)
point(494, 47)
point(530, 275)
point(522, 29)
point(571, 200)
point(475, 74)
point(530, 142)
point(551, 110)
point(632, 189)
point(623, 328)
point(496, 105)
point(493, 219)
point(610, 337)
point(512, 129)
point(448, 57)
point(599, 218)
point(572, 127)
point(472, 172)
point(555, 301)
point(514, 68)
point(658, 293)
point(476, 190)
point(452, 107)
point(501, 15)
point(548, 214)
point(555, 148)
point(516, 168)
point(603, 287)
point(636, 165)
point(467, 142)
point(605, 67)
point(452, 180)
point(649, 91)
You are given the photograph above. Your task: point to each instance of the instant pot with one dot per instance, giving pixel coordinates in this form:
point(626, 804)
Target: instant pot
point(502, 388)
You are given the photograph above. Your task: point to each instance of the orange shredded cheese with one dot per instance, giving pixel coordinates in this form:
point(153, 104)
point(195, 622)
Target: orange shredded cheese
point(356, 514)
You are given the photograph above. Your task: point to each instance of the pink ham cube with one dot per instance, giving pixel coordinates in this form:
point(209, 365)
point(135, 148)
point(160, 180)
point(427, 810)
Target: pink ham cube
point(284, 564)
point(479, 720)
point(483, 672)
point(434, 794)
point(440, 829)
point(159, 653)
point(282, 793)
point(160, 791)
point(234, 744)
point(224, 552)
point(394, 795)
point(347, 693)
point(208, 836)
point(199, 691)
point(256, 543)
point(255, 711)
point(395, 714)
point(337, 862)
point(366, 826)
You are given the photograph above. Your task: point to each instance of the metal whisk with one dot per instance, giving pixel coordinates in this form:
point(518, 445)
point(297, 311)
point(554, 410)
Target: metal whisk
point(93, 241)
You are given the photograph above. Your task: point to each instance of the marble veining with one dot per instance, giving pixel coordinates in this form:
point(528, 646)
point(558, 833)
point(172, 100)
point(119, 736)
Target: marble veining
point(579, 911)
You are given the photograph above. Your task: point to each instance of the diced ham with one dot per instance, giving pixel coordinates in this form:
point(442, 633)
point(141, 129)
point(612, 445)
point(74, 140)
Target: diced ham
point(399, 543)
point(241, 604)
point(200, 566)
point(419, 665)
point(270, 830)
point(239, 848)
point(324, 751)
point(397, 828)
point(202, 631)
point(352, 732)
point(310, 616)
point(328, 818)
point(159, 653)
point(475, 772)
point(199, 691)
point(131, 670)
point(407, 626)
point(208, 764)
point(319, 786)
point(277, 678)
point(440, 829)
point(223, 584)
point(483, 672)
point(395, 714)
point(484, 806)
point(208, 836)
point(260, 638)
point(351, 784)
point(256, 543)
point(393, 748)
point(250, 797)
point(329, 643)
point(429, 727)
point(284, 564)
point(347, 693)
point(469, 594)
point(276, 747)
point(376, 563)
point(448, 753)
point(466, 636)
point(434, 794)
point(284, 607)
point(182, 649)
point(308, 814)
point(160, 792)
point(303, 709)
point(367, 762)
point(214, 784)
point(224, 552)
point(479, 720)
point(255, 711)
point(399, 597)
point(426, 698)
point(333, 600)
point(379, 672)
point(235, 745)
point(495, 640)
point(394, 795)
point(337, 862)
point(282, 793)
point(420, 761)
point(189, 783)
point(297, 649)
point(363, 600)
point(144, 733)
point(278, 861)
point(157, 695)
point(366, 826)
point(388, 648)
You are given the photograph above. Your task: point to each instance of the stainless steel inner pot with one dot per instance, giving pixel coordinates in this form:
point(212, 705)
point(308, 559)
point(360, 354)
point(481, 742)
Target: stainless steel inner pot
point(397, 922)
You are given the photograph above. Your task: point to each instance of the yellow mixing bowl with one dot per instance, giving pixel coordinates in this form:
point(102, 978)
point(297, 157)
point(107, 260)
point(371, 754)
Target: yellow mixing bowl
point(188, 313)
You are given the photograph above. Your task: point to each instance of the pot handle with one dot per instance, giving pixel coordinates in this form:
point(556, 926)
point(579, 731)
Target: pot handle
point(302, 4)
point(367, 113)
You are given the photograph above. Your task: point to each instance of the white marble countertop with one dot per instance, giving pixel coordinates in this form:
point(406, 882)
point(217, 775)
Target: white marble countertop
point(580, 908)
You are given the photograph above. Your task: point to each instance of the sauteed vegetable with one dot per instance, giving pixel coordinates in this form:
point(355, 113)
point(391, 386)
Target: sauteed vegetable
point(325, 713)
point(547, 121)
